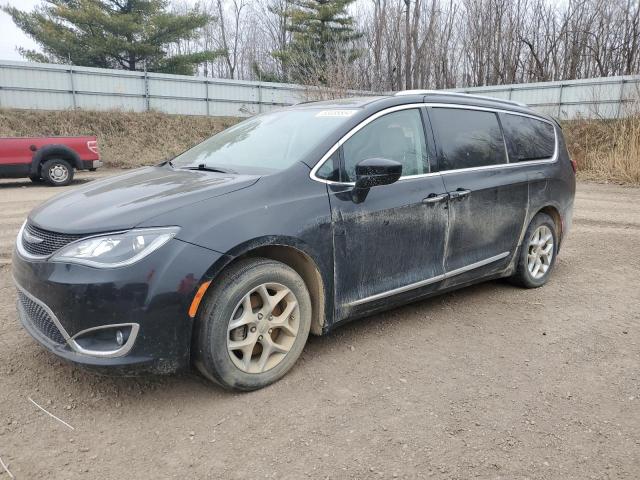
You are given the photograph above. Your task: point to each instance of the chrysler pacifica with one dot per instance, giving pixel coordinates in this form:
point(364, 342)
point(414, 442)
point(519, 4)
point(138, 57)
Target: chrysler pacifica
point(289, 223)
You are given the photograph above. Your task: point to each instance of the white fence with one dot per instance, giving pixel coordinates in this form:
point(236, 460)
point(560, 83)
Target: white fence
point(63, 87)
point(608, 97)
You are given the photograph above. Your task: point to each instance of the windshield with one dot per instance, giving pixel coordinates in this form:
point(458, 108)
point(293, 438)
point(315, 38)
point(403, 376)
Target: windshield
point(269, 142)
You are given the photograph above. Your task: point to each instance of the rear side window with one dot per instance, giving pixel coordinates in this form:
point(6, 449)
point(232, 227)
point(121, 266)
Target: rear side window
point(468, 138)
point(529, 139)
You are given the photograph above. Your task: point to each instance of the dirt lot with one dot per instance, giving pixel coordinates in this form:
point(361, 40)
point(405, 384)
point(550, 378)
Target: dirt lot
point(487, 382)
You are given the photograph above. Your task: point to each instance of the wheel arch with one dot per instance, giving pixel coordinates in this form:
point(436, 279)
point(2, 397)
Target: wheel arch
point(554, 213)
point(293, 254)
point(54, 151)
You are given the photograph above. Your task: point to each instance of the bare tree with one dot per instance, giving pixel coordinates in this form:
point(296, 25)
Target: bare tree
point(436, 43)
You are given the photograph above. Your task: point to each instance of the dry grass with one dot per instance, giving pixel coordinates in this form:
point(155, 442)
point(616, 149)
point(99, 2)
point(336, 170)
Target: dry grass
point(126, 139)
point(606, 150)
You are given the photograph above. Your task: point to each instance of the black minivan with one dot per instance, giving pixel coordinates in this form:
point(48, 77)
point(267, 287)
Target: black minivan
point(290, 223)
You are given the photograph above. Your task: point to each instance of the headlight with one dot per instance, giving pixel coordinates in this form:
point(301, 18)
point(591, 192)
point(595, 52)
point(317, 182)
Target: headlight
point(115, 249)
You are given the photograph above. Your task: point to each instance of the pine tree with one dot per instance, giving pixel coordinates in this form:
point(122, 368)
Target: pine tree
point(125, 34)
point(322, 31)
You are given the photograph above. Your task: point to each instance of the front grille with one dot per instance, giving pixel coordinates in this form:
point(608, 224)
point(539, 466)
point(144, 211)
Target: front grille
point(50, 243)
point(39, 318)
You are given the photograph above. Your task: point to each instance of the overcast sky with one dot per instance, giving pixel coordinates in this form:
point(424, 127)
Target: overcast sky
point(11, 36)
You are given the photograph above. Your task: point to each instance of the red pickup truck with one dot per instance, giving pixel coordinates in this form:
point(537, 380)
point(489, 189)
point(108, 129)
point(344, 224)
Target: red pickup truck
point(49, 159)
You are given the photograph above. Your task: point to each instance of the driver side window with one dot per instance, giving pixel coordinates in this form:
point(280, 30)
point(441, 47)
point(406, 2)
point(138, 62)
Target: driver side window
point(395, 136)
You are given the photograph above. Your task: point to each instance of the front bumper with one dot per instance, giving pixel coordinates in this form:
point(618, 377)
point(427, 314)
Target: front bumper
point(57, 301)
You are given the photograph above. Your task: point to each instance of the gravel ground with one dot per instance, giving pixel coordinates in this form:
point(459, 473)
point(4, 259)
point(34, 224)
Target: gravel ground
point(487, 382)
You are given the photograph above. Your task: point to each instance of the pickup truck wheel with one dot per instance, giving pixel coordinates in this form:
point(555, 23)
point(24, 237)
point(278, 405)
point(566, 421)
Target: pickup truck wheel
point(252, 325)
point(57, 172)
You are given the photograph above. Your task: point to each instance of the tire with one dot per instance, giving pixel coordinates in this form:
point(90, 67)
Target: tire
point(252, 355)
point(534, 265)
point(36, 178)
point(57, 172)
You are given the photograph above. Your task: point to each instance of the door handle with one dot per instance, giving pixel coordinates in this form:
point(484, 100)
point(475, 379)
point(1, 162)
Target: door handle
point(434, 198)
point(459, 194)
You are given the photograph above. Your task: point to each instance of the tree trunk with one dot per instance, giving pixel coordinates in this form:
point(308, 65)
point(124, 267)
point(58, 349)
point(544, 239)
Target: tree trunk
point(407, 46)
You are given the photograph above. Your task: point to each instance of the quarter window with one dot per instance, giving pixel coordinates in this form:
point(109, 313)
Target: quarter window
point(396, 136)
point(330, 170)
point(529, 139)
point(468, 138)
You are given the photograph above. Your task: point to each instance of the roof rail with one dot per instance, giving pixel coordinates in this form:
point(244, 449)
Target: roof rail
point(458, 94)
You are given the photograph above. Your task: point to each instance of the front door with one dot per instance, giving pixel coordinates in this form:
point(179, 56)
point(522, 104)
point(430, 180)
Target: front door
point(487, 196)
point(392, 242)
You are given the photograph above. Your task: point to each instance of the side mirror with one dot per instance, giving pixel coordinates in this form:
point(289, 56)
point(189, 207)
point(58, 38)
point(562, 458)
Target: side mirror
point(377, 171)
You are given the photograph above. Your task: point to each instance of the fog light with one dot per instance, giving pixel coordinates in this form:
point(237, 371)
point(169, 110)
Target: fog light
point(105, 341)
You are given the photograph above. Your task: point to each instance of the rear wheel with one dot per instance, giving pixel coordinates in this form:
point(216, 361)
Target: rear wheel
point(538, 253)
point(253, 324)
point(57, 172)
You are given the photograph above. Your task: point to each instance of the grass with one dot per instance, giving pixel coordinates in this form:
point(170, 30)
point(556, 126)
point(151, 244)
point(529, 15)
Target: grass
point(605, 150)
point(126, 139)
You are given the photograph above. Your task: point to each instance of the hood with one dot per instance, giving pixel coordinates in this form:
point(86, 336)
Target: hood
point(124, 201)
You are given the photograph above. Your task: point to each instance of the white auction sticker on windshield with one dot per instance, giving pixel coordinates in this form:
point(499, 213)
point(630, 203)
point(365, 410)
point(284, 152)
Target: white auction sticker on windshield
point(335, 113)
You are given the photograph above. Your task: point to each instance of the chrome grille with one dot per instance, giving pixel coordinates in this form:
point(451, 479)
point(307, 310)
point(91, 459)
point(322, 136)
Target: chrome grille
point(50, 243)
point(39, 318)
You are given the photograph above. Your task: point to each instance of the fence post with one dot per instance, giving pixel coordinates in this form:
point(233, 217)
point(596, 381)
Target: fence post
point(147, 100)
point(259, 98)
point(560, 101)
point(73, 88)
point(510, 92)
point(206, 95)
point(621, 99)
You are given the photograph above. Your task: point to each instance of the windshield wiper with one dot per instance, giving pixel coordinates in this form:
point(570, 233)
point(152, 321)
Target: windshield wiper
point(208, 168)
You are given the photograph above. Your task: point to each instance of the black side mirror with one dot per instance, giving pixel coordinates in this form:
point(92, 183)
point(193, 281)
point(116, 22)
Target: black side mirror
point(377, 171)
point(373, 172)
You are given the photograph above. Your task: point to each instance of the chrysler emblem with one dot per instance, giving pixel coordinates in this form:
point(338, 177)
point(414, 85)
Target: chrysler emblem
point(31, 238)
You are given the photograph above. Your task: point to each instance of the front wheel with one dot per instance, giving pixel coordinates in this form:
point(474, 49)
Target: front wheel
point(57, 172)
point(253, 324)
point(538, 253)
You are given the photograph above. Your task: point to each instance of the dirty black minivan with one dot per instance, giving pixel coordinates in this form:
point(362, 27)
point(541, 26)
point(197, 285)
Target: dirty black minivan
point(290, 223)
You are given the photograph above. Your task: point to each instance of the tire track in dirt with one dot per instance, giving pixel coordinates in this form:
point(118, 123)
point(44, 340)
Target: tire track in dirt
point(590, 222)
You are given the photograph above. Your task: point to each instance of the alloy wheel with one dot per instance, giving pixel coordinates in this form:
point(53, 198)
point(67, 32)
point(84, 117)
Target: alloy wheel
point(263, 328)
point(540, 252)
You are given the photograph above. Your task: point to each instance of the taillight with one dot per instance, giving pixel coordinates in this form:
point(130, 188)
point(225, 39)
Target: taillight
point(93, 146)
point(574, 165)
